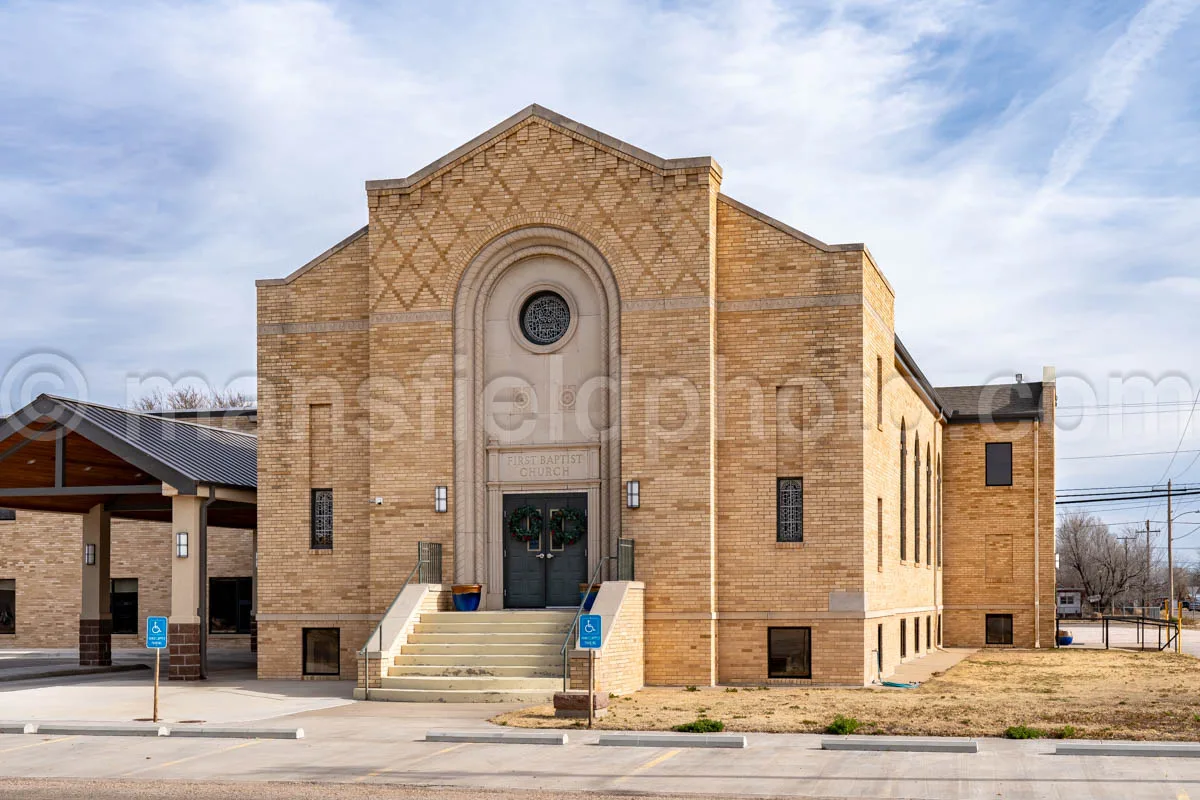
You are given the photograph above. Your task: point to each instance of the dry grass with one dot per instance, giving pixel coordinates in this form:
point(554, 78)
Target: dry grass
point(1102, 694)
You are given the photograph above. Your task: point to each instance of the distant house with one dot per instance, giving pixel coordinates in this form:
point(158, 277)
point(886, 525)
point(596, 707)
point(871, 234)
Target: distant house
point(1070, 602)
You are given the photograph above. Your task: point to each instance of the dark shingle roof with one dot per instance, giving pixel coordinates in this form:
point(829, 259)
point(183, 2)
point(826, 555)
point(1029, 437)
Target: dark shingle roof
point(993, 402)
point(173, 451)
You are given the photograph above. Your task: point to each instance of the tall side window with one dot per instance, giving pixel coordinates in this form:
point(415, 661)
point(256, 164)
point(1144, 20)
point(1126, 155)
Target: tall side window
point(8, 605)
point(789, 510)
point(879, 392)
point(928, 507)
point(917, 635)
point(998, 467)
point(917, 498)
point(322, 648)
point(904, 638)
point(789, 652)
point(123, 597)
point(229, 605)
point(928, 632)
point(903, 491)
point(879, 648)
point(999, 629)
point(322, 519)
point(940, 554)
point(879, 532)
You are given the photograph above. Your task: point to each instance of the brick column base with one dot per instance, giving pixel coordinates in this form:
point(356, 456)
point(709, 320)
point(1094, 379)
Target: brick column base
point(95, 642)
point(183, 639)
point(253, 634)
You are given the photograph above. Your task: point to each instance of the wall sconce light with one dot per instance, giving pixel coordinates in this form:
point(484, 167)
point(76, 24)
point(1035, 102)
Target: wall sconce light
point(633, 494)
point(89, 555)
point(440, 501)
point(181, 544)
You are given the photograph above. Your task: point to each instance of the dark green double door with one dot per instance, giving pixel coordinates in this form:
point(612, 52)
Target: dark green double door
point(545, 549)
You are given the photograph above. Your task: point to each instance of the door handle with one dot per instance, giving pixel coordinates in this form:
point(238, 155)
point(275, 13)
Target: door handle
point(540, 555)
point(549, 555)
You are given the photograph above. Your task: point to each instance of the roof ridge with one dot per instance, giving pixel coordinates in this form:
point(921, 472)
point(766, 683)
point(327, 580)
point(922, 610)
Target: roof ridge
point(148, 415)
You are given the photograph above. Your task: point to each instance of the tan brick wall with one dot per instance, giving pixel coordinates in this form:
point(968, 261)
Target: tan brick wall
point(990, 531)
point(43, 553)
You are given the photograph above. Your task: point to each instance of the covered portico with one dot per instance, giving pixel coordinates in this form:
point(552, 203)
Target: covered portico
point(71, 457)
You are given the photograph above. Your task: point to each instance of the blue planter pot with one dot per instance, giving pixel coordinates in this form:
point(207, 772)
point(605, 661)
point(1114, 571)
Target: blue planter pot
point(1063, 641)
point(466, 598)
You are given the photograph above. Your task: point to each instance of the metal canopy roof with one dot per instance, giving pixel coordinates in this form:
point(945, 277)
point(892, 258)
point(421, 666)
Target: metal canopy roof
point(64, 455)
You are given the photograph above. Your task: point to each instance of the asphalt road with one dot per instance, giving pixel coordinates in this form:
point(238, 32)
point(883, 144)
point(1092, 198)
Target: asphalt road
point(167, 790)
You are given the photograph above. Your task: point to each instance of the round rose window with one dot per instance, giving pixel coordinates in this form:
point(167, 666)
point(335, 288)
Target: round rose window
point(545, 318)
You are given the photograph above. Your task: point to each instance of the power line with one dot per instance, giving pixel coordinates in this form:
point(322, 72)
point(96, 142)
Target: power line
point(1127, 455)
point(1182, 434)
point(1128, 497)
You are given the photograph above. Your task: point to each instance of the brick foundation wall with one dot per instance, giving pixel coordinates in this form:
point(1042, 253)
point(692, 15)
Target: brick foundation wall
point(183, 651)
point(95, 642)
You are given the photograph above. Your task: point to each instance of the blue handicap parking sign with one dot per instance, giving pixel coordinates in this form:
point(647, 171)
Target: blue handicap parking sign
point(156, 632)
point(589, 632)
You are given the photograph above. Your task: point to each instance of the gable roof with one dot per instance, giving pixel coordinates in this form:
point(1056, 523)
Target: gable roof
point(557, 120)
point(993, 402)
point(182, 454)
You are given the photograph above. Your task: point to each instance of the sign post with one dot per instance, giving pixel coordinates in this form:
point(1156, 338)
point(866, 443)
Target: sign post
point(156, 639)
point(590, 639)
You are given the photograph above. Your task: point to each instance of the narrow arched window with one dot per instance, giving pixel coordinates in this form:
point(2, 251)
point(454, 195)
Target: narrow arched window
point(916, 498)
point(928, 507)
point(903, 490)
point(940, 555)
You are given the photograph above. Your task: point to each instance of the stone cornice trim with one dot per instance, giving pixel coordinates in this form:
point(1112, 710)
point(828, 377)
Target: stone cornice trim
point(796, 301)
point(567, 125)
point(667, 304)
point(663, 616)
point(401, 317)
point(331, 326)
point(318, 617)
point(343, 244)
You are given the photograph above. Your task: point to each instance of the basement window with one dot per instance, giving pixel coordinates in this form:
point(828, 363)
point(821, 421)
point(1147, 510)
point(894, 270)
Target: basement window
point(999, 629)
point(321, 651)
point(789, 652)
point(123, 599)
point(229, 605)
point(998, 469)
point(8, 605)
point(7, 515)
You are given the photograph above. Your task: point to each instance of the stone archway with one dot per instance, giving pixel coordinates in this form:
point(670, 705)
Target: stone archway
point(477, 544)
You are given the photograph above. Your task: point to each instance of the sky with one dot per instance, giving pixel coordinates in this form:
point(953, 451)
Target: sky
point(1027, 174)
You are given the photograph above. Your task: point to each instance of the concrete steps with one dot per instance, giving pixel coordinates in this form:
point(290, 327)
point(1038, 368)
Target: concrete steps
point(478, 657)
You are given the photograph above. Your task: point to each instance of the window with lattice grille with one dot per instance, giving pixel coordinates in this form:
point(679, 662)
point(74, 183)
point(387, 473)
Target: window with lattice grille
point(789, 510)
point(322, 519)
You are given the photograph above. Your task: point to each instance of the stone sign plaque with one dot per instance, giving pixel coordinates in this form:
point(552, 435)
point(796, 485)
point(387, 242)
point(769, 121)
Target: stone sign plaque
point(544, 466)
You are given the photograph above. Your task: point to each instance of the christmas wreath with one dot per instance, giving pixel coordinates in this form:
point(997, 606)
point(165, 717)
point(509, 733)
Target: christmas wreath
point(567, 526)
point(525, 524)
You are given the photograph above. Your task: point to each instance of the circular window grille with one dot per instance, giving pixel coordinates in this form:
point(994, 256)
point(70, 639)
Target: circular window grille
point(545, 318)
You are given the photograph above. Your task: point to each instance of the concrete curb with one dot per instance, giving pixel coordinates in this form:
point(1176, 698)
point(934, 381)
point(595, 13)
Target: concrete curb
point(211, 732)
point(101, 729)
point(1141, 749)
point(498, 737)
point(135, 729)
point(906, 744)
point(9, 676)
point(730, 740)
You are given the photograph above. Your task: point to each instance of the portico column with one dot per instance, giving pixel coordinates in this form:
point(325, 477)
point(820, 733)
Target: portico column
point(254, 593)
point(183, 629)
point(95, 613)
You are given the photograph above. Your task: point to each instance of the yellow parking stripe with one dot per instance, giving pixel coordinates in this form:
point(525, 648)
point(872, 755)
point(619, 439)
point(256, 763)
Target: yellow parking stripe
point(194, 757)
point(382, 770)
point(654, 762)
point(36, 744)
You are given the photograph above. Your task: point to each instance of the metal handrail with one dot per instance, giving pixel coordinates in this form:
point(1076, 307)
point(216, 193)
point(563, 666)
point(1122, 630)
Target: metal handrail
point(378, 632)
point(578, 614)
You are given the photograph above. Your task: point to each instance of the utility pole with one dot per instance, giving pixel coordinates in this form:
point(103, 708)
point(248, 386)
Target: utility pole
point(1170, 558)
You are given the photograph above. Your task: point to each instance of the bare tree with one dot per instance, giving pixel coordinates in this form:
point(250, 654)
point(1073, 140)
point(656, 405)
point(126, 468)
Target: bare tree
point(1105, 566)
point(192, 398)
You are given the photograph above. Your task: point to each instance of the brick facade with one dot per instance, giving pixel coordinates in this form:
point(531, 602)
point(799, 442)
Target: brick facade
point(746, 352)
